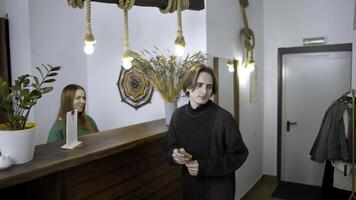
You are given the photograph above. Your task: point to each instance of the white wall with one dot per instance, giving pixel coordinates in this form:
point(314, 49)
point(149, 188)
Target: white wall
point(286, 23)
point(20, 35)
point(147, 27)
point(18, 14)
point(56, 37)
point(224, 22)
point(49, 31)
point(2, 9)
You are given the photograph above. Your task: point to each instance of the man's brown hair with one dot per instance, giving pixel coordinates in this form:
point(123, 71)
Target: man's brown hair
point(191, 78)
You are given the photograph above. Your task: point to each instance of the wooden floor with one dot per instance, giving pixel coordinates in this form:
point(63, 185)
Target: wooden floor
point(263, 189)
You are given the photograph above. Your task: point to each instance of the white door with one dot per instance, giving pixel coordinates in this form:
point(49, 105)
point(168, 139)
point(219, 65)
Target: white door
point(311, 82)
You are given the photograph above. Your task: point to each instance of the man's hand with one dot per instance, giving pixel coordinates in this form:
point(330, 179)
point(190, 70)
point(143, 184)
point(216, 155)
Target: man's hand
point(193, 167)
point(179, 156)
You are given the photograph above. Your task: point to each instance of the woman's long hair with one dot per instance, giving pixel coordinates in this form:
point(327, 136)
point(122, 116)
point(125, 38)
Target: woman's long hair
point(66, 105)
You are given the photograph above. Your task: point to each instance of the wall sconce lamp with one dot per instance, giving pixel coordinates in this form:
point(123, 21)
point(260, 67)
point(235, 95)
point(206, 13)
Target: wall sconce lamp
point(243, 71)
point(232, 65)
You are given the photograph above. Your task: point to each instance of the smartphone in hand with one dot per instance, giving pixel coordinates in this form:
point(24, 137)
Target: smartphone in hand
point(186, 154)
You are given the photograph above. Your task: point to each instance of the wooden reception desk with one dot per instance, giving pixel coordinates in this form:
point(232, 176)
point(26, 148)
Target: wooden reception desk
point(124, 163)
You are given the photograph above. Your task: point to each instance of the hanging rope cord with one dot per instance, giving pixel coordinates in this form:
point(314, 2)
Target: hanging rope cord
point(249, 41)
point(126, 5)
point(89, 37)
point(179, 6)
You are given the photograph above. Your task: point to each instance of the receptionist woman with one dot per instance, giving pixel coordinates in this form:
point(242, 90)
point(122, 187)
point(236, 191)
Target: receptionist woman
point(73, 97)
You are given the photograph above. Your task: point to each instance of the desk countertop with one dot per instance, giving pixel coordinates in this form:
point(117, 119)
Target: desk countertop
point(50, 158)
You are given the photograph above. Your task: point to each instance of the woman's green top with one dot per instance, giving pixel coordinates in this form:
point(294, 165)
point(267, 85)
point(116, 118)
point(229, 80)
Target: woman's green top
point(58, 130)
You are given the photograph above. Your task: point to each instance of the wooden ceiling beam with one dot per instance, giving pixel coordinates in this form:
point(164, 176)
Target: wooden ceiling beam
point(193, 4)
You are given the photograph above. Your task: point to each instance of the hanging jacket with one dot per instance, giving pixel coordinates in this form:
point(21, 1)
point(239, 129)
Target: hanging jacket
point(331, 143)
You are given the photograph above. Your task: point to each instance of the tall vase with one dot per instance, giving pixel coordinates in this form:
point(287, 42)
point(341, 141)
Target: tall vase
point(169, 109)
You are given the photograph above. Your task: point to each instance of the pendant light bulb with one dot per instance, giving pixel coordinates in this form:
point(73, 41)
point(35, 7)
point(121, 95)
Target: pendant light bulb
point(89, 48)
point(231, 68)
point(127, 62)
point(243, 74)
point(89, 39)
point(250, 65)
point(179, 50)
point(251, 68)
point(230, 65)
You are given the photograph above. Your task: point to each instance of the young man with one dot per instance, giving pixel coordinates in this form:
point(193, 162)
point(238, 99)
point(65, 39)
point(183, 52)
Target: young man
point(205, 139)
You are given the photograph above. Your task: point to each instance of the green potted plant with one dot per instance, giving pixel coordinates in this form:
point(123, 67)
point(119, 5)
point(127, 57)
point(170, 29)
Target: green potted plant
point(17, 134)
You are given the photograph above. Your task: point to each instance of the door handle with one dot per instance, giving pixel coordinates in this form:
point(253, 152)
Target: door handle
point(289, 124)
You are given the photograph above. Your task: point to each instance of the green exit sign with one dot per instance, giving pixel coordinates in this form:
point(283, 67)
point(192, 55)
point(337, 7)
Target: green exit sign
point(314, 41)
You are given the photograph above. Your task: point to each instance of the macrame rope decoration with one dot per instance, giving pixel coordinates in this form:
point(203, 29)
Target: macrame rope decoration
point(76, 3)
point(177, 5)
point(247, 33)
point(127, 55)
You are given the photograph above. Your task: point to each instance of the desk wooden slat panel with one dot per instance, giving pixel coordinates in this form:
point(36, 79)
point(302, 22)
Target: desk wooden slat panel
point(124, 163)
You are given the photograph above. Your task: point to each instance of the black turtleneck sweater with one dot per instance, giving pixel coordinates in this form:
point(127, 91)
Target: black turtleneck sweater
point(211, 135)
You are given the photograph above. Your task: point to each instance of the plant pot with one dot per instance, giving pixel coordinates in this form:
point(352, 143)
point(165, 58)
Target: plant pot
point(19, 144)
point(169, 108)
